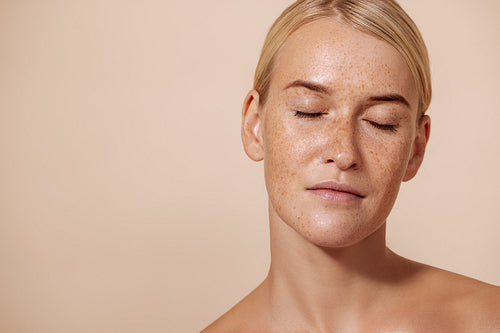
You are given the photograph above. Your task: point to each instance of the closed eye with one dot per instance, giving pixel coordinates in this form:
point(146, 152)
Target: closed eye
point(384, 127)
point(308, 115)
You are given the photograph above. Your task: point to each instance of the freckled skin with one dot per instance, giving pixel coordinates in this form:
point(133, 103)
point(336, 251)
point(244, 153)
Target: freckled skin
point(330, 268)
point(342, 145)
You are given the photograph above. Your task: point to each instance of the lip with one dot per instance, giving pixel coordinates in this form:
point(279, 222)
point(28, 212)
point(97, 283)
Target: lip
point(335, 192)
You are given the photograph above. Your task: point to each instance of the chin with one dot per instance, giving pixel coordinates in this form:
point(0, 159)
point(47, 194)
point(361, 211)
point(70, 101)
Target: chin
point(337, 228)
point(332, 242)
point(336, 234)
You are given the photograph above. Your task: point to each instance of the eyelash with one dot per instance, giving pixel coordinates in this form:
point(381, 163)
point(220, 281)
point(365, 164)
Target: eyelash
point(391, 128)
point(308, 115)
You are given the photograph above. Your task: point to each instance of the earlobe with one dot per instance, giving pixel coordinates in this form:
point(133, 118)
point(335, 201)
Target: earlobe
point(419, 145)
point(251, 121)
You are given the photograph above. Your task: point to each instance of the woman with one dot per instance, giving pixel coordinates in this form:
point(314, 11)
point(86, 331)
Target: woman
point(337, 113)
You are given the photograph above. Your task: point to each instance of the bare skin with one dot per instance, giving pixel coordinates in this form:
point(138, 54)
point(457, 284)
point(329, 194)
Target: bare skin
point(338, 134)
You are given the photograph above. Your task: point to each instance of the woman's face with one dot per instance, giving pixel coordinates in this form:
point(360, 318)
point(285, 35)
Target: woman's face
point(338, 132)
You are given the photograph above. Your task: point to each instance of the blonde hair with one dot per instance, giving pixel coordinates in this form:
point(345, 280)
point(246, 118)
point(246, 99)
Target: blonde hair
point(382, 18)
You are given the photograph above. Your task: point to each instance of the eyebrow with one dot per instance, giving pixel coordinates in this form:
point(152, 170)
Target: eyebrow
point(390, 98)
point(309, 85)
point(316, 87)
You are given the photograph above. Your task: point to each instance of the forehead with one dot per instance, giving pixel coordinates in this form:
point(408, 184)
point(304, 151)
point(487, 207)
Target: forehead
point(333, 53)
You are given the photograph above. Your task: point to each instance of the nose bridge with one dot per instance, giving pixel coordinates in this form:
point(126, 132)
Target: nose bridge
point(342, 146)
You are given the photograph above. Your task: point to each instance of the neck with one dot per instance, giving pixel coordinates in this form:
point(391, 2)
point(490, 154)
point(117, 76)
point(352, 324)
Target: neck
point(321, 286)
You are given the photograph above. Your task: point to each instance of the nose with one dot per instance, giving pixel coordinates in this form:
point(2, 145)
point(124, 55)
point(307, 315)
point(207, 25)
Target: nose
point(341, 148)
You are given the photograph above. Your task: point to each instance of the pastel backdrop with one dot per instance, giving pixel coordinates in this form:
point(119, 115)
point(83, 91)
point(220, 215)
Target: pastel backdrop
point(127, 203)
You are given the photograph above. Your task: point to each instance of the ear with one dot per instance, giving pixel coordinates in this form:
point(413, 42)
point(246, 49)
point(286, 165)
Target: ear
point(251, 131)
point(421, 139)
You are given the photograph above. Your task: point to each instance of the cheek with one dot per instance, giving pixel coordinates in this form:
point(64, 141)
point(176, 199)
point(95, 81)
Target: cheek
point(388, 161)
point(288, 151)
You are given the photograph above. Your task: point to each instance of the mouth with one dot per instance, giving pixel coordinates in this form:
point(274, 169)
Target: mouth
point(335, 192)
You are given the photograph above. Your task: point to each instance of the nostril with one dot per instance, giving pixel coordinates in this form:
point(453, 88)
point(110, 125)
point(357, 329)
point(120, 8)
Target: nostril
point(346, 159)
point(343, 162)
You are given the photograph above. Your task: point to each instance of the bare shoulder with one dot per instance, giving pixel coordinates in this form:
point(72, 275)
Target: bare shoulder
point(248, 316)
point(477, 302)
point(234, 320)
point(472, 304)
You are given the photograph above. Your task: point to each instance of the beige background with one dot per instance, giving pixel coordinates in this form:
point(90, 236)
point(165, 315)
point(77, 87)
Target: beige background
point(126, 201)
